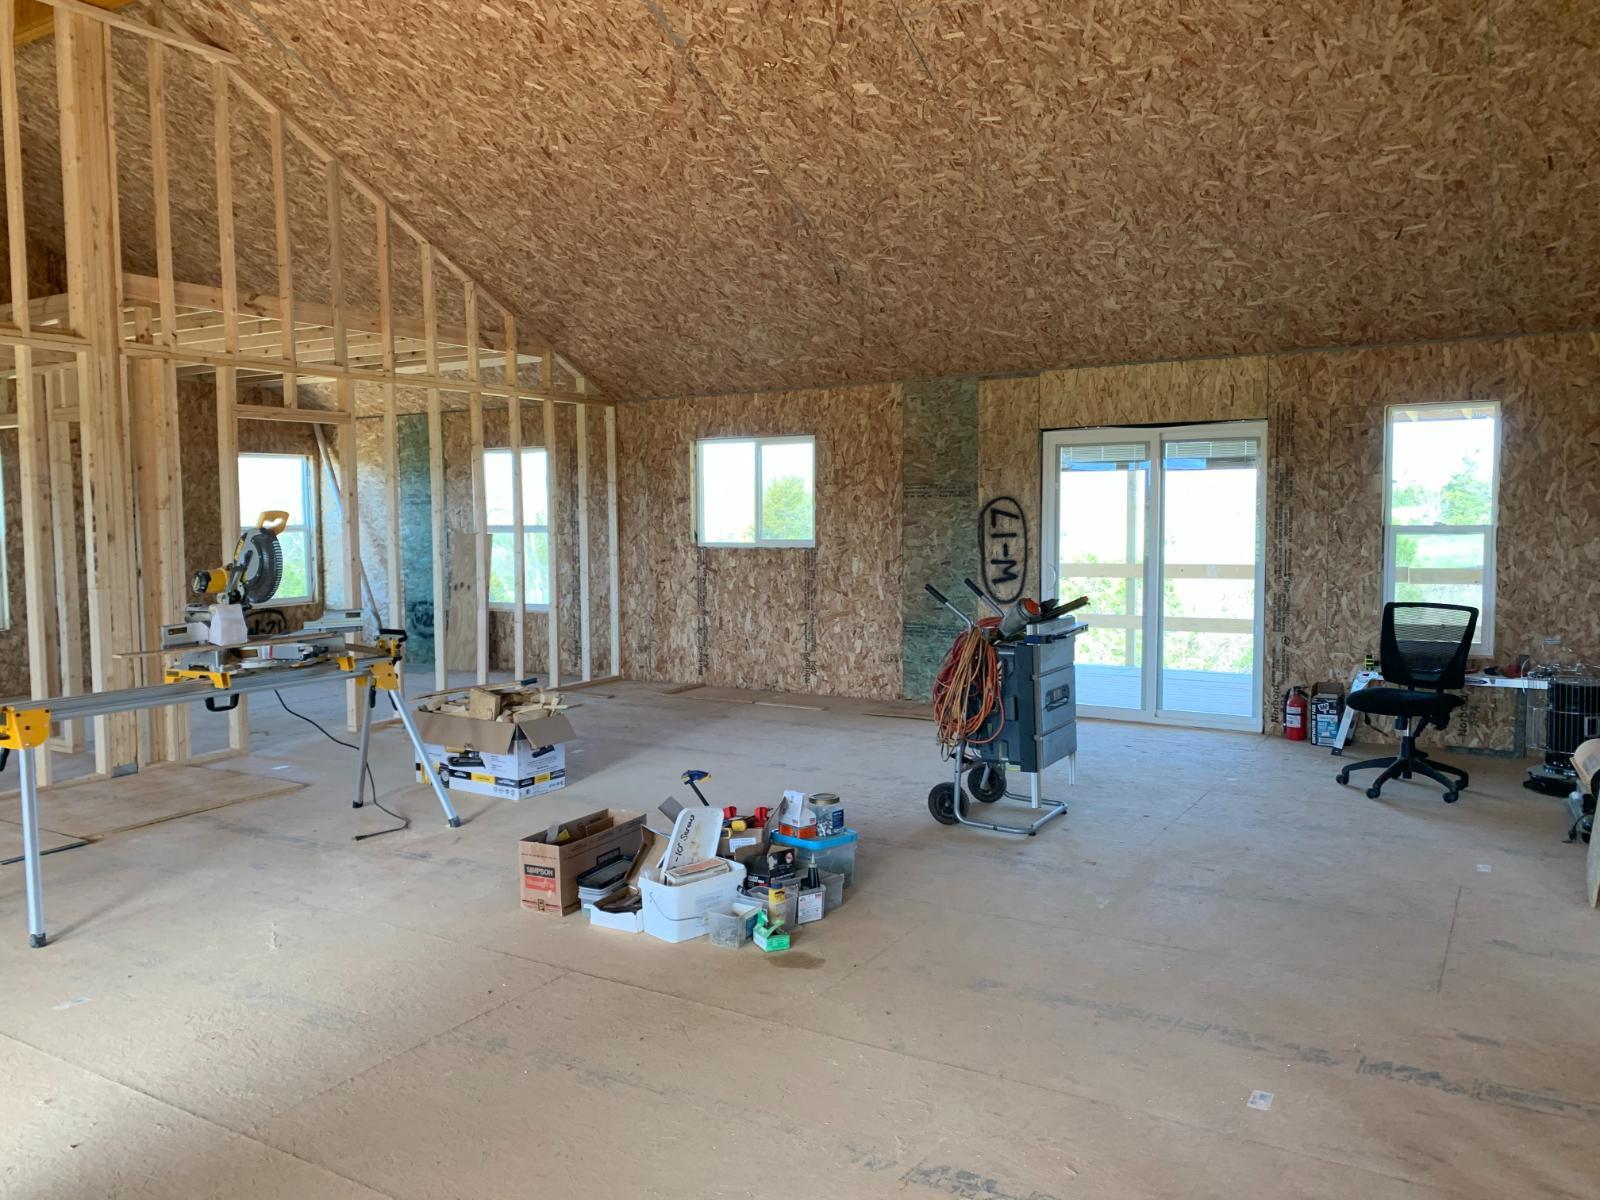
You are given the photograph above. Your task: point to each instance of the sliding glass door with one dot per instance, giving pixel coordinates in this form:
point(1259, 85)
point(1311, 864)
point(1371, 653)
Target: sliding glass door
point(1162, 530)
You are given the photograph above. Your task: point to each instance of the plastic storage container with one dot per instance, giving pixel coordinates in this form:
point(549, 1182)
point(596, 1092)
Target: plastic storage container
point(732, 928)
point(787, 912)
point(832, 891)
point(676, 914)
point(836, 853)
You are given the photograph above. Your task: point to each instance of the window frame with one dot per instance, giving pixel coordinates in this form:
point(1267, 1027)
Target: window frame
point(695, 461)
point(1483, 637)
point(510, 530)
point(313, 523)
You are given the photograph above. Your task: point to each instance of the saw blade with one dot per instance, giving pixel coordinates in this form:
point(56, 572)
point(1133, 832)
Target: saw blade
point(263, 566)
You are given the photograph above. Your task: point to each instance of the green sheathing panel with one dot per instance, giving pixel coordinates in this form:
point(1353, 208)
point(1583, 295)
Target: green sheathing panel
point(416, 535)
point(940, 507)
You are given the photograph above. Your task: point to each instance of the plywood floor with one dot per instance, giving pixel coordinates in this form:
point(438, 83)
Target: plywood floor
point(246, 1003)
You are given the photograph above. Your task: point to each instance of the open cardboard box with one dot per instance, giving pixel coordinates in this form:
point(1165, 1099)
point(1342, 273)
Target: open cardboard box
point(513, 759)
point(549, 867)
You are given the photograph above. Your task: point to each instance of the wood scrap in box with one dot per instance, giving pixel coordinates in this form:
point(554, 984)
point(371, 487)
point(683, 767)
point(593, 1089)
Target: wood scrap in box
point(500, 702)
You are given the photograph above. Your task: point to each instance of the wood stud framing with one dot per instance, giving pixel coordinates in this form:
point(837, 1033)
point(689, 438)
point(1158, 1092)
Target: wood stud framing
point(32, 419)
point(480, 510)
point(430, 319)
point(89, 182)
point(519, 583)
point(75, 354)
point(395, 583)
point(552, 519)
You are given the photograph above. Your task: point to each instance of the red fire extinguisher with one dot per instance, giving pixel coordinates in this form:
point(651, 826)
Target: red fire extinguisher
point(1294, 714)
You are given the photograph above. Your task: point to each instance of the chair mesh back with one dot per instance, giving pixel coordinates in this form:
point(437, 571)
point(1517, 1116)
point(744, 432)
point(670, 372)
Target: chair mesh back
point(1425, 645)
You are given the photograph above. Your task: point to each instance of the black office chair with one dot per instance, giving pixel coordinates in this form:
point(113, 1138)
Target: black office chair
point(1424, 650)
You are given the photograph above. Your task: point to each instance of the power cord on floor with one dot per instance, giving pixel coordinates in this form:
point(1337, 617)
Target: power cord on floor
point(372, 784)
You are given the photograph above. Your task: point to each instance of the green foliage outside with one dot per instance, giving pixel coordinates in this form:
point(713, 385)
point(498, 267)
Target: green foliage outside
point(535, 568)
point(1463, 500)
point(787, 512)
point(296, 575)
point(1112, 596)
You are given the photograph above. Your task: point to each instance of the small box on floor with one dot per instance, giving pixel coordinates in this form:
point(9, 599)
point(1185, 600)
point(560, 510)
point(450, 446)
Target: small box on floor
point(1327, 706)
point(512, 759)
point(550, 862)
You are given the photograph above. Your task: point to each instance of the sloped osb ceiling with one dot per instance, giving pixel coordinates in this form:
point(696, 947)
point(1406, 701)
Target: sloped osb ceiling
point(692, 196)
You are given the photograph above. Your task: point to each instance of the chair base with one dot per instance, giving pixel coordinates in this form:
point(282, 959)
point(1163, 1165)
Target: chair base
point(1408, 762)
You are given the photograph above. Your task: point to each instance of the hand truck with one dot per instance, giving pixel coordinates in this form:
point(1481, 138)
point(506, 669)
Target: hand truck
point(1037, 720)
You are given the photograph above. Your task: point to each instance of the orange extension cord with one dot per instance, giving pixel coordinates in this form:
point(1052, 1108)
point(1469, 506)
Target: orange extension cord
point(967, 689)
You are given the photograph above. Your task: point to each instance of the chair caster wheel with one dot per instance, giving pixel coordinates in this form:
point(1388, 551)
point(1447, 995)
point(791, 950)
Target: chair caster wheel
point(1344, 778)
point(1452, 796)
point(1373, 793)
point(942, 803)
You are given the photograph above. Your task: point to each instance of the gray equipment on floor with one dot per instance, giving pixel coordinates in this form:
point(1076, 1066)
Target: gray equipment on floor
point(1038, 719)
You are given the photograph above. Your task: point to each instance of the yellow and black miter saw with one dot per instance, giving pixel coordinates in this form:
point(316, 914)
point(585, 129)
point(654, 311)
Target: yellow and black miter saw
point(214, 625)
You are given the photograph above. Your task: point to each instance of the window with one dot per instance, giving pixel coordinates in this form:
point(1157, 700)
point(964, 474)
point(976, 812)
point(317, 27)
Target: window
point(283, 481)
point(755, 491)
point(502, 528)
point(1441, 501)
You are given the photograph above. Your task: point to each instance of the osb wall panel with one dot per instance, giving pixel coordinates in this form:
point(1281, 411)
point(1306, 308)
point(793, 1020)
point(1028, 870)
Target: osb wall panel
point(825, 620)
point(1549, 536)
point(1008, 458)
point(877, 191)
point(1164, 393)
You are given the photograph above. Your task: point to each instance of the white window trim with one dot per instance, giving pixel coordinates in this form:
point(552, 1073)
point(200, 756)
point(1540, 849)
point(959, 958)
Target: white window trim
point(1483, 637)
point(308, 506)
point(491, 530)
point(760, 542)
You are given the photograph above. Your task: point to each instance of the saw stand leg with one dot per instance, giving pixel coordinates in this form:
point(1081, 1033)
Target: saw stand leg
point(367, 685)
point(28, 789)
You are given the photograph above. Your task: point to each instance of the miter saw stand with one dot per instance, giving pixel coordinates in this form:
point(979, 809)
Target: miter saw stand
point(324, 651)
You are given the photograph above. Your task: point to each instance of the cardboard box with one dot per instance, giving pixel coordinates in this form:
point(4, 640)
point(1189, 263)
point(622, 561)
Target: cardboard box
point(1326, 707)
point(549, 868)
point(512, 759)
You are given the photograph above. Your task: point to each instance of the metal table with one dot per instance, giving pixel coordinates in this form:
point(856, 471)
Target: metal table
point(1363, 679)
point(25, 725)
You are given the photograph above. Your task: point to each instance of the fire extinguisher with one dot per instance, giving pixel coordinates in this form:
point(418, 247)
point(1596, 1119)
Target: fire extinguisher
point(1294, 714)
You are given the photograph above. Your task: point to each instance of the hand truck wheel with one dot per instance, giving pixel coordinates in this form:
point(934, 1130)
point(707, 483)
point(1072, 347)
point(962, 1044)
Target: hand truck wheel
point(987, 782)
point(942, 803)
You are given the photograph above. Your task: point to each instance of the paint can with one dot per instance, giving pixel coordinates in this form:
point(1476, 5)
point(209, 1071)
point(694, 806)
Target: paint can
point(830, 813)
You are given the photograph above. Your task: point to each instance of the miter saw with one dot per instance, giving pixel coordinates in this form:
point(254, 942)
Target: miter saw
point(217, 630)
point(251, 578)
